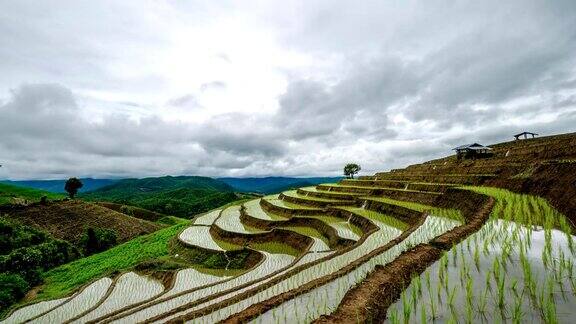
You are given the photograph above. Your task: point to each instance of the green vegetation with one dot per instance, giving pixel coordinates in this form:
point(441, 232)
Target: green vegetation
point(448, 213)
point(24, 254)
point(64, 279)
point(13, 194)
point(232, 260)
point(14, 287)
point(351, 169)
point(177, 196)
point(517, 267)
point(72, 186)
point(96, 240)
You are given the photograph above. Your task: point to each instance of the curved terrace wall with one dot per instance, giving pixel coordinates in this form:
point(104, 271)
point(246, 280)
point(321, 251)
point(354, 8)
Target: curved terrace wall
point(287, 212)
point(327, 194)
point(409, 216)
point(315, 203)
point(296, 241)
point(334, 241)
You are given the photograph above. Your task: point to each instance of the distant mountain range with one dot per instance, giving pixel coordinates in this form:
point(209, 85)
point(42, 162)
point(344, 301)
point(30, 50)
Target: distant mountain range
point(271, 185)
point(57, 186)
point(266, 185)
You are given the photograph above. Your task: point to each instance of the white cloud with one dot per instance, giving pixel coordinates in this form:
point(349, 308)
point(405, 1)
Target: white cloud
point(136, 88)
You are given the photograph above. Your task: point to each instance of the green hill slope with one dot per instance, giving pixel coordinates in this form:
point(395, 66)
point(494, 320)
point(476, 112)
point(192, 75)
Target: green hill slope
point(178, 196)
point(13, 194)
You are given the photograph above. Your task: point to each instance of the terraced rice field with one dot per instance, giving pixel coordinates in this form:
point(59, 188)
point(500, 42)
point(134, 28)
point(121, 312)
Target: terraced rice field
point(493, 256)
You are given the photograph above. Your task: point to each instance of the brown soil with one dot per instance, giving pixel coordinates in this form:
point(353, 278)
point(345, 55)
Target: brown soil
point(66, 219)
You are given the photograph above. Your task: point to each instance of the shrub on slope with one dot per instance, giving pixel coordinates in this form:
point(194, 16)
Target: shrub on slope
point(25, 253)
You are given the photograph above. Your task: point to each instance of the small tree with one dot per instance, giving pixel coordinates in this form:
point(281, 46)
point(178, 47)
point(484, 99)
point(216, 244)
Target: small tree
point(351, 169)
point(72, 186)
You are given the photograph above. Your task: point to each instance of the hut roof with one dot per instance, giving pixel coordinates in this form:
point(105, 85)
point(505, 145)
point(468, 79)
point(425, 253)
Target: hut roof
point(525, 133)
point(473, 146)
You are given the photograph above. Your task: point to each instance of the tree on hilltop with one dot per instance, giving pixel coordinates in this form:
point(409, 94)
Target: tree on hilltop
point(72, 186)
point(351, 169)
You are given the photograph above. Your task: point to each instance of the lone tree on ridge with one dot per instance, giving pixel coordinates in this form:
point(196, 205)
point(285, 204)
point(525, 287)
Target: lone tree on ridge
point(351, 169)
point(72, 186)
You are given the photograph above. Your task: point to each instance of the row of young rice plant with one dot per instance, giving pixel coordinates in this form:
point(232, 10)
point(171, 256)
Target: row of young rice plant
point(23, 314)
point(381, 237)
point(208, 218)
point(192, 282)
point(270, 264)
point(230, 221)
point(253, 209)
point(519, 267)
point(130, 288)
point(78, 304)
point(295, 194)
point(214, 316)
point(324, 299)
point(199, 236)
point(320, 241)
point(276, 200)
point(276, 257)
point(343, 227)
point(333, 193)
point(441, 212)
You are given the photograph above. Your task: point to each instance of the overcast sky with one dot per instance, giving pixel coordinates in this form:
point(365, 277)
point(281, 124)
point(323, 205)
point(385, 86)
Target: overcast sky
point(138, 88)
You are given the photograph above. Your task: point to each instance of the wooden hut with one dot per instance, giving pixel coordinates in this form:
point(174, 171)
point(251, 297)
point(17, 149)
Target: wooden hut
point(524, 135)
point(473, 151)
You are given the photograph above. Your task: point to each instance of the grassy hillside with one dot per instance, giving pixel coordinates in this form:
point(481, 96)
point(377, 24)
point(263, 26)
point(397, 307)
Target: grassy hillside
point(13, 194)
point(177, 196)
